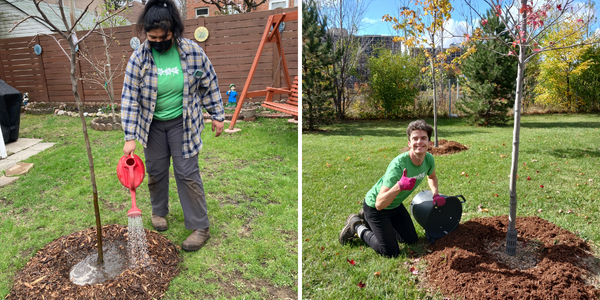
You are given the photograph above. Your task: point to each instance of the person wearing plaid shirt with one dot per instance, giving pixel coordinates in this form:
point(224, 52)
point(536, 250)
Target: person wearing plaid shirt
point(167, 82)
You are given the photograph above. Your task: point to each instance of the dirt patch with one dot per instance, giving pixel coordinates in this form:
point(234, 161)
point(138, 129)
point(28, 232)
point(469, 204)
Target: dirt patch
point(46, 275)
point(115, 207)
point(447, 147)
point(463, 264)
point(234, 282)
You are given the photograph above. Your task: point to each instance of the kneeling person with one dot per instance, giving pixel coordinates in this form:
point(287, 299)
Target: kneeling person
point(384, 221)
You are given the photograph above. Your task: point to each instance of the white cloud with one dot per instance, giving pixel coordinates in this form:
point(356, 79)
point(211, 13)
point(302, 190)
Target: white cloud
point(370, 21)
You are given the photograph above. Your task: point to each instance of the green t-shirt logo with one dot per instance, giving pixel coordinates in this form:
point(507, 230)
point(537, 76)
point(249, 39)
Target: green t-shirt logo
point(168, 71)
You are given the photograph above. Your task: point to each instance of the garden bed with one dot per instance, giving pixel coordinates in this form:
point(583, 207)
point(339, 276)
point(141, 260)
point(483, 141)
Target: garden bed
point(46, 275)
point(551, 262)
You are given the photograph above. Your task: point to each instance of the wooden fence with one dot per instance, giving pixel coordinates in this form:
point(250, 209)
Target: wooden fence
point(231, 47)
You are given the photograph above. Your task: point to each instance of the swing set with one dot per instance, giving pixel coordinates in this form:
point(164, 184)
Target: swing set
point(271, 35)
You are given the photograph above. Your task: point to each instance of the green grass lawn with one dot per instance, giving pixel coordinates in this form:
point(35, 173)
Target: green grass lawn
point(339, 165)
point(251, 184)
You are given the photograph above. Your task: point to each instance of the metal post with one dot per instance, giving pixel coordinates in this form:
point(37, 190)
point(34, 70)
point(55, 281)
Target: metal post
point(449, 97)
point(457, 89)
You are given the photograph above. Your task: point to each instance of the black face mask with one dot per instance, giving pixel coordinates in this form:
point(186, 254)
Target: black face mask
point(161, 46)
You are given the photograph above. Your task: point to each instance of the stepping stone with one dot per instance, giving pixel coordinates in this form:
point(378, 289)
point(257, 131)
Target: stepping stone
point(19, 169)
point(21, 144)
point(4, 181)
point(42, 146)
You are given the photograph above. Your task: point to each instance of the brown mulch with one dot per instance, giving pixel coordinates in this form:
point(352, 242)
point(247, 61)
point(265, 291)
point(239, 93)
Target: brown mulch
point(461, 264)
point(447, 147)
point(46, 275)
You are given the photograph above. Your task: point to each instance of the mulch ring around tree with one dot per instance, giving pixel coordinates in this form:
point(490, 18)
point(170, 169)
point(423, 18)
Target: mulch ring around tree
point(551, 263)
point(46, 275)
point(447, 147)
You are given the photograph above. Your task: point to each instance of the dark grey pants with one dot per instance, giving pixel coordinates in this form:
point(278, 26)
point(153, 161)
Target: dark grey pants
point(164, 142)
point(388, 227)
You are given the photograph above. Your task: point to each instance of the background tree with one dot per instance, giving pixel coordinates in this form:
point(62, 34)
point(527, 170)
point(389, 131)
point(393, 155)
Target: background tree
point(527, 22)
point(70, 35)
point(587, 85)
point(559, 69)
point(345, 22)
point(490, 78)
point(104, 73)
point(317, 58)
point(393, 80)
point(228, 7)
point(425, 27)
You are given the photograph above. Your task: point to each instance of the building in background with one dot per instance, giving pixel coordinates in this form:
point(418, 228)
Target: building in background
point(13, 11)
point(198, 8)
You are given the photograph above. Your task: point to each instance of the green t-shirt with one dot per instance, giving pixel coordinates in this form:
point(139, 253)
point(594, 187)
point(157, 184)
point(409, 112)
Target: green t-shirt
point(394, 173)
point(169, 93)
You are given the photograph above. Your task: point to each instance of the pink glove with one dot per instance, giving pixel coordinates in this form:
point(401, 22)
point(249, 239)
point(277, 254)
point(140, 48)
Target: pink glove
point(438, 200)
point(405, 183)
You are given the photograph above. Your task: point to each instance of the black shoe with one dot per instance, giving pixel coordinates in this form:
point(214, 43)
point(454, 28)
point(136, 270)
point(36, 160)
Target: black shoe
point(361, 214)
point(348, 232)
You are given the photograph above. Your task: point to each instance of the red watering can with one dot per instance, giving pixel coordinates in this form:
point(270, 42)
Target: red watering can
point(130, 171)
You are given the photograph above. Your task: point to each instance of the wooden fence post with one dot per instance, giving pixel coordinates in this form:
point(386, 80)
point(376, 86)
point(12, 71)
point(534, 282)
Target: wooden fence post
point(46, 97)
point(1, 66)
point(202, 44)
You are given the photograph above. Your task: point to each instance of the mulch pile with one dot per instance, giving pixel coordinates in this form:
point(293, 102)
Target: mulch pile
point(46, 276)
point(460, 266)
point(447, 147)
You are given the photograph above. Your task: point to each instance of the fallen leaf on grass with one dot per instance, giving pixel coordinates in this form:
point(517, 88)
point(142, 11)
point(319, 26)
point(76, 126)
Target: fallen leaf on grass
point(542, 186)
point(540, 210)
point(414, 270)
point(347, 158)
point(480, 209)
point(361, 284)
point(528, 178)
point(351, 261)
point(560, 211)
point(328, 165)
point(377, 273)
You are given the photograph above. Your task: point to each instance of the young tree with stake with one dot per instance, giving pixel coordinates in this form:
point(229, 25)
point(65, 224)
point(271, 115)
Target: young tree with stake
point(527, 22)
point(426, 27)
point(70, 35)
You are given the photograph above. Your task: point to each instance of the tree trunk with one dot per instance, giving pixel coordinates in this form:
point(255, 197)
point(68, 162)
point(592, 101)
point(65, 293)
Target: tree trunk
point(511, 236)
point(434, 100)
point(74, 85)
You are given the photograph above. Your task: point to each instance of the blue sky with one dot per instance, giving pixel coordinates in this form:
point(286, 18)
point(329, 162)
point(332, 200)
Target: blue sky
point(372, 24)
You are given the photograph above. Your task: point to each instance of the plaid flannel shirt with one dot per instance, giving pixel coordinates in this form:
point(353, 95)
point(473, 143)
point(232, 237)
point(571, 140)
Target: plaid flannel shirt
point(200, 88)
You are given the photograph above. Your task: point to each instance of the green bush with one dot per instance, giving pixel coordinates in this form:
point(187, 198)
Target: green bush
point(393, 81)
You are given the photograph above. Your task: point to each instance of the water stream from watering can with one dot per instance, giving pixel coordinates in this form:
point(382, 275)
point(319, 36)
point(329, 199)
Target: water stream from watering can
point(137, 243)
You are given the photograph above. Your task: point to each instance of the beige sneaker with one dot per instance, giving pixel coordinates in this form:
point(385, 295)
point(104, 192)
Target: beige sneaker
point(196, 240)
point(159, 223)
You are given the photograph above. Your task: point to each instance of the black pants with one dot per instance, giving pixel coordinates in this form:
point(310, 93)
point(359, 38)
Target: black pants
point(388, 227)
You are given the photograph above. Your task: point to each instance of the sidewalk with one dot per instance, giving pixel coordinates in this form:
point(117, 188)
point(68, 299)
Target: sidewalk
point(17, 151)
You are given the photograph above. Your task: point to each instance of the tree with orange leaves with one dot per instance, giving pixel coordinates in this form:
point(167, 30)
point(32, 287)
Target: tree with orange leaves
point(424, 28)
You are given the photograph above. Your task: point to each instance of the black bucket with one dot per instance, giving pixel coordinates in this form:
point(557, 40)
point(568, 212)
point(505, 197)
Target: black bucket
point(439, 221)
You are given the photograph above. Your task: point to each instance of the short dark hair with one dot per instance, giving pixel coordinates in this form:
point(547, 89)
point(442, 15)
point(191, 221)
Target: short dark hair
point(161, 14)
point(419, 125)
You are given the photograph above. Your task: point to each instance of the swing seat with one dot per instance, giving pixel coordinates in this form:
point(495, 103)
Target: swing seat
point(290, 106)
